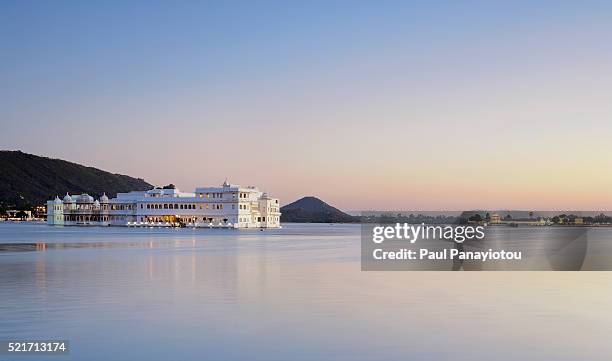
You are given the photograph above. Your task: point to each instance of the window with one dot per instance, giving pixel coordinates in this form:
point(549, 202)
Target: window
point(165, 206)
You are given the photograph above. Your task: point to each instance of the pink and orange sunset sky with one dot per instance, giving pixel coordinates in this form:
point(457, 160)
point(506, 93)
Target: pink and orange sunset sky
point(367, 105)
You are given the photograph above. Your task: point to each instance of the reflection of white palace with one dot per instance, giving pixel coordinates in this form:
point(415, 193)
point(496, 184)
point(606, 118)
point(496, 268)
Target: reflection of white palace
point(228, 206)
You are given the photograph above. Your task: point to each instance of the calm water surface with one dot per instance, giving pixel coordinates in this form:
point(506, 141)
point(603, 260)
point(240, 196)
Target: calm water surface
point(291, 294)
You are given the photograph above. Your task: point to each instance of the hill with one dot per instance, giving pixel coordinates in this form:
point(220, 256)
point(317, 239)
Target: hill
point(27, 180)
point(314, 210)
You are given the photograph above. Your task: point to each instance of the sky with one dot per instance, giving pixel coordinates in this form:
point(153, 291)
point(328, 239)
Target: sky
point(441, 105)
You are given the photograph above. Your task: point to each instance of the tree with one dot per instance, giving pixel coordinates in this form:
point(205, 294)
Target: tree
point(169, 186)
point(602, 218)
point(476, 218)
point(21, 215)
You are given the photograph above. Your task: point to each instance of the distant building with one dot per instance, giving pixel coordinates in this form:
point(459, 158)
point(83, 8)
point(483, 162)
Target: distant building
point(578, 220)
point(495, 218)
point(228, 206)
point(40, 211)
point(16, 214)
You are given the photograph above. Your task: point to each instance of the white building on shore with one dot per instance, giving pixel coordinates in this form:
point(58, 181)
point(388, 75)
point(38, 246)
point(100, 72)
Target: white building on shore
point(228, 206)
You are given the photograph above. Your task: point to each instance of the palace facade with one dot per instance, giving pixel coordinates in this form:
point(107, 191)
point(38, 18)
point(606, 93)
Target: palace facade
point(228, 206)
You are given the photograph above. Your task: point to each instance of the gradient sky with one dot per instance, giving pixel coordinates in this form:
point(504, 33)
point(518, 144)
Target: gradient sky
point(368, 105)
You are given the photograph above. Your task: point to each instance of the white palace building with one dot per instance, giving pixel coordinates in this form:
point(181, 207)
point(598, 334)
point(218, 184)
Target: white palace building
point(228, 206)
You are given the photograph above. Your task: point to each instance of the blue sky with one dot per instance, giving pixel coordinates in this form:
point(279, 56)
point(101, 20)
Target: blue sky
point(365, 104)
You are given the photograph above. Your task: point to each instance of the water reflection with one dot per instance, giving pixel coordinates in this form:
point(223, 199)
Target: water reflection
point(297, 294)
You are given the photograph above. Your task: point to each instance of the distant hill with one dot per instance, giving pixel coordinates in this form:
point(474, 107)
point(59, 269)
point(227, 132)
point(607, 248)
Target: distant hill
point(314, 210)
point(27, 180)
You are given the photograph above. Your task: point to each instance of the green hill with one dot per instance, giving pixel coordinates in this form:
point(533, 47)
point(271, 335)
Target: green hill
point(314, 210)
point(27, 180)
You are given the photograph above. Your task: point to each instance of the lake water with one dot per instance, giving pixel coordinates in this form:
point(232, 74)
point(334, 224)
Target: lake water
point(290, 294)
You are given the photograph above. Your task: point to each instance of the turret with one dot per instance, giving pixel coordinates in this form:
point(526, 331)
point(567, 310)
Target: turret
point(55, 212)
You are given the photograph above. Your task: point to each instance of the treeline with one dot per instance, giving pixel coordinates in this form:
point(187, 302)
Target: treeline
point(412, 219)
point(571, 218)
point(466, 218)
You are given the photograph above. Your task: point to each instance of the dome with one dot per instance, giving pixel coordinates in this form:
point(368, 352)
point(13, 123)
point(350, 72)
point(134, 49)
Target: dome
point(67, 198)
point(85, 198)
point(57, 200)
point(104, 198)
